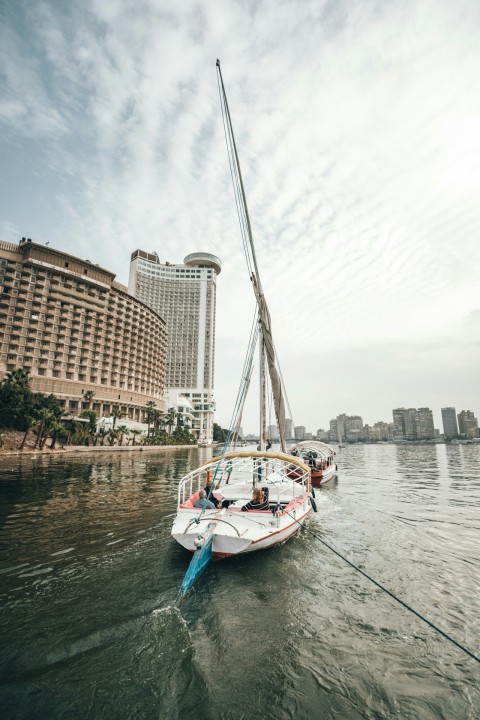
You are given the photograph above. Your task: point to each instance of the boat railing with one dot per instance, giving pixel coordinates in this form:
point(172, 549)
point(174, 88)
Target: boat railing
point(248, 469)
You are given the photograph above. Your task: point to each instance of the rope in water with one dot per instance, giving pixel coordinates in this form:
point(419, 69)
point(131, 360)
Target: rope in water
point(392, 595)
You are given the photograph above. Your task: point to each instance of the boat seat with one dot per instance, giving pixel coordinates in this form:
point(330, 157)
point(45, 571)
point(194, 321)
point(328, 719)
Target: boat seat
point(189, 504)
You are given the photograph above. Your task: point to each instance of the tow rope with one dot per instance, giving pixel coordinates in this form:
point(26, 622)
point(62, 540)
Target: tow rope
point(392, 595)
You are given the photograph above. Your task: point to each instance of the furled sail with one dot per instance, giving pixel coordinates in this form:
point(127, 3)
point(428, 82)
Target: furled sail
point(275, 380)
point(249, 247)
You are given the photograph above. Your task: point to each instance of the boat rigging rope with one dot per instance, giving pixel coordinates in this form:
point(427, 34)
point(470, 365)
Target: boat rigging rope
point(392, 595)
point(237, 179)
point(239, 404)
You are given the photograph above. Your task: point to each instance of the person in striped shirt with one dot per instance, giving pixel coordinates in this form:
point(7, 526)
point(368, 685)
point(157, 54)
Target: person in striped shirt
point(259, 500)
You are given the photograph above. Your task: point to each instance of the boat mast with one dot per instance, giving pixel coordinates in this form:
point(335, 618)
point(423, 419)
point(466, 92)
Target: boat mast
point(266, 344)
point(263, 395)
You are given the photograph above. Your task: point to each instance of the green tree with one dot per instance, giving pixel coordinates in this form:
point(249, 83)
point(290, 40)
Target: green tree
point(88, 397)
point(91, 416)
point(70, 429)
point(46, 418)
point(149, 415)
point(15, 399)
point(170, 418)
point(116, 414)
point(220, 435)
point(102, 434)
point(135, 433)
point(122, 430)
point(30, 423)
point(58, 430)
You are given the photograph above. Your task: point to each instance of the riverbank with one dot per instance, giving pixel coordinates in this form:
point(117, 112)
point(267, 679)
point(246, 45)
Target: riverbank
point(96, 449)
point(12, 440)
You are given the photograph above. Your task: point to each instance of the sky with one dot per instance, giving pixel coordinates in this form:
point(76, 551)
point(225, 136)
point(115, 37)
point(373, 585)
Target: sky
point(357, 126)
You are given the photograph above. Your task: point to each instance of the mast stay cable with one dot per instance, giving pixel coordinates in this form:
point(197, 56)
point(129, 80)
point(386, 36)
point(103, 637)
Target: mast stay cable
point(249, 249)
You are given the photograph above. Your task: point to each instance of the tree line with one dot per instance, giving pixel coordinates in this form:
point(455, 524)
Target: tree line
point(27, 411)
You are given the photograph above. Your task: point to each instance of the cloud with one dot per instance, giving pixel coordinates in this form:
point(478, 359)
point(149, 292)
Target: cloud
point(356, 126)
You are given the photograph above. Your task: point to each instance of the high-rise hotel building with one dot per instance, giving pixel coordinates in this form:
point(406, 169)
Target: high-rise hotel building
point(185, 296)
point(76, 330)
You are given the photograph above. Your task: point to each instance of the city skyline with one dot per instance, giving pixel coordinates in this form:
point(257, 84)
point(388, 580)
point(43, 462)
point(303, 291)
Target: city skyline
point(314, 430)
point(357, 133)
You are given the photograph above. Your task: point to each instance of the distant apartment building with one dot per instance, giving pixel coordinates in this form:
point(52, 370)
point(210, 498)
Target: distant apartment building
point(379, 432)
point(272, 432)
point(321, 434)
point(185, 296)
point(424, 428)
point(341, 425)
point(404, 424)
point(354, 428)
point(413, 424)
point(76, 330)
point(300, 432)
point(289, 433)
point(333, 431)
point(468, 424)
point(449, 420)
point(346, 428)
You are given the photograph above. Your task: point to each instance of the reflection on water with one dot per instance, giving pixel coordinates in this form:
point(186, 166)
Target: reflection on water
point(89, 577)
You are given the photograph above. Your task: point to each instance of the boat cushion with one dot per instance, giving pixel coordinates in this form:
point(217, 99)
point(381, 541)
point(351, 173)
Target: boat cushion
point(193, 498)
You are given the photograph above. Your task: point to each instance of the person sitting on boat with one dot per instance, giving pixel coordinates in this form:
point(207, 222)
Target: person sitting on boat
point(259, 500)
point(202, 502)
point(208, 490)
point(217, 503)
point(311, 457)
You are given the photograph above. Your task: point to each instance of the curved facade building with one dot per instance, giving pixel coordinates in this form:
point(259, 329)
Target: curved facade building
point(185, 295)
point(75, 329)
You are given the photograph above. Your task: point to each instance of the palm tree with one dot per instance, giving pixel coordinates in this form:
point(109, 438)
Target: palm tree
point(70, 427)
point(149, 415)
point(57, 429)
point(170, 419)
point(30, 422)
point(88, 396)
point(116, 414)
point(101, 432)
point(15, 398)
point(157, 419)
point(44, 417)
point(135, 433)
point(123, 430)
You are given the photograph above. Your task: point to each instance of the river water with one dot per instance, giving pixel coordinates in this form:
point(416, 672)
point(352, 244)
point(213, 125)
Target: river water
point(89, 577)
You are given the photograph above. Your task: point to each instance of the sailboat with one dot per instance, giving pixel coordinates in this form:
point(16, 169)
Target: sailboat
point(230, 479)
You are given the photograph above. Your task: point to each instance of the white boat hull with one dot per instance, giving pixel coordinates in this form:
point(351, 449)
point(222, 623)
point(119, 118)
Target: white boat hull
point(236, 533)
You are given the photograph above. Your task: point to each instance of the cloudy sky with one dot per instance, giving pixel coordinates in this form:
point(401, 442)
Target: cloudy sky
point(357, 123)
